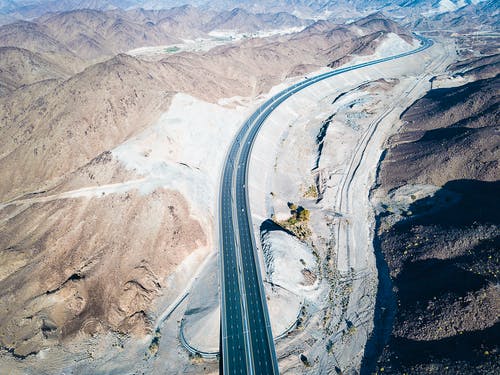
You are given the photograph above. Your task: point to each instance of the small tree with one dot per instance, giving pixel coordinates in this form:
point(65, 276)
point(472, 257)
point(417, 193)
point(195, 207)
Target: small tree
point(304, 360)
point(304, 214)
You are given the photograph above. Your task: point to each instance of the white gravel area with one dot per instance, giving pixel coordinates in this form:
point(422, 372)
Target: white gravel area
point(286, 162)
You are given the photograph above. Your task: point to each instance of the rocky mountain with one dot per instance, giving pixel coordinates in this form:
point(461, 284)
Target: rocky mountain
point(88, 243)
point(185, 21)
point(379, 22)
point(36, 38)
point(20, 67)
point(486, 66)
point(27, 9)
point(439, 230)
point(92, 34)
point(239, 18)
point(73, 265)
point(80, 37)
point(220, 72)
point(467, 18)
point(97, 280)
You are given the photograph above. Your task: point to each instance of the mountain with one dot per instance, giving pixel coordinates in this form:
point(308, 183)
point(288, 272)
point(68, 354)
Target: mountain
point(59, 132)
point(316, 5)
point(343, 8)
point(442, 250)
point(379, 22)
point(171, 16)
point(78, 38)
point(80, 266)
point(465, 19)
point(36, 38)
point(92, 246)
point(20, 67)
point(184, 21)
point(127, 82)
point(27, 9)
point(92, 34)
point(475, 68)
point(240, 19)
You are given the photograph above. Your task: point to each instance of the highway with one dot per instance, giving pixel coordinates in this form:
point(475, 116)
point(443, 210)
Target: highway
point(247, 345)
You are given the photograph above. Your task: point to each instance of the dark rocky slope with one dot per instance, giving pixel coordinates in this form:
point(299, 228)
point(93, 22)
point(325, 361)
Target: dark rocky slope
point(442, 249)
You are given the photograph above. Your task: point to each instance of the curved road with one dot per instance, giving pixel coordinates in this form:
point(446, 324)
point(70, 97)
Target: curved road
point(247, 345)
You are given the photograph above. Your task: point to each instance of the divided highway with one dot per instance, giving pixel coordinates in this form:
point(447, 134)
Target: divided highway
point(247, 345)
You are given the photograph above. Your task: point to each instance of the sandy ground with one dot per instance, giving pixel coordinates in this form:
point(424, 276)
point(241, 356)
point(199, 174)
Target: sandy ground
point(178, 151)
point(392, 45)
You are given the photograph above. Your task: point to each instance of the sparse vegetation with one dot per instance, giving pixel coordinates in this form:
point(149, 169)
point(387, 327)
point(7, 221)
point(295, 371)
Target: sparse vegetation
point(311, 192)
point(155, 343)
point(297, 223)
point(196, 358)
point(303, 215)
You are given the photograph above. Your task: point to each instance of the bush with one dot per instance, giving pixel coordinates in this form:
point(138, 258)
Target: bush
point(304, 360)
point(312, 192)
point(297, 223)
point(303, 215)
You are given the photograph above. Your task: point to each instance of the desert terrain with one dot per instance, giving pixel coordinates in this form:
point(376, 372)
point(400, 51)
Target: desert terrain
point(373, 193)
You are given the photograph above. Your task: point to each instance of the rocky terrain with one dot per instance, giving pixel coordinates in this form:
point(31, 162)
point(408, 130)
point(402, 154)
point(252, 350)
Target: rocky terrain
point(83, 252)
point(78, 38)
point(19, 67)
point(422, 14)
point(110, 165)
point(330, 137)
point(437, 194)
point(469, 17)
point(138, 91)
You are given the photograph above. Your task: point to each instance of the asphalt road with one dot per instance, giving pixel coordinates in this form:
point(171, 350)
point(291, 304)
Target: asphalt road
point(247, 344)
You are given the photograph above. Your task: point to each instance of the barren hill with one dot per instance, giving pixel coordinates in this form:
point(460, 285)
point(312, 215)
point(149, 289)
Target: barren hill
point(59, 136)
point(80, 37)
point(78, 255)
point(92, 34)
point(379, 22)
point(241, 20)
point(21, 67)
point(449, 136)
point(440, 232)
point(36, 38)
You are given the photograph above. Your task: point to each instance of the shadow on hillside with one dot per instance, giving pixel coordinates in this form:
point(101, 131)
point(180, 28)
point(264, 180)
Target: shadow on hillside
point(454, 348)
point(478, 203)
